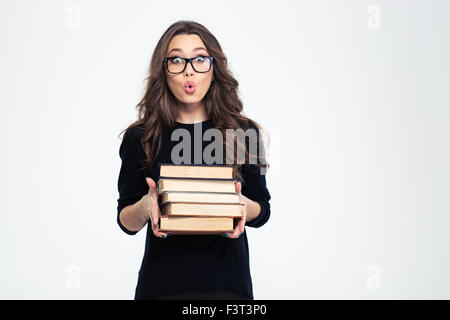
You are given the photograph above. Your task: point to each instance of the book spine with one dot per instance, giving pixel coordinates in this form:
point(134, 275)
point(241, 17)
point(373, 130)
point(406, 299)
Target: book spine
point(196, 178)
point(194, 164)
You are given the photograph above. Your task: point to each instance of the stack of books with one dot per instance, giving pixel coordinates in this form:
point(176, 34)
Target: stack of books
point(197, 199)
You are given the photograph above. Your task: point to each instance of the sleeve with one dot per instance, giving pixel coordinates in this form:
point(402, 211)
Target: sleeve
point(131, 182)
point(254, 187)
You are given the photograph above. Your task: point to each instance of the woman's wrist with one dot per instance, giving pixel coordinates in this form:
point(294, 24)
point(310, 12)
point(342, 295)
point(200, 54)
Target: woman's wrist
point(253, 208)
point(143, 208)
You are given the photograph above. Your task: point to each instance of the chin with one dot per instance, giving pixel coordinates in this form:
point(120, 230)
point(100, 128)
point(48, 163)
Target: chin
point(190, 98)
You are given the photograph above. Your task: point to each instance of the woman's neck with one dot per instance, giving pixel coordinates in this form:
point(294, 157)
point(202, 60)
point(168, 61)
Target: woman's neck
point(191, 113)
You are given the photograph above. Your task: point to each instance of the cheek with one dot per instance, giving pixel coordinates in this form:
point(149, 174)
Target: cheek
point(174, 83)
point(205, 81)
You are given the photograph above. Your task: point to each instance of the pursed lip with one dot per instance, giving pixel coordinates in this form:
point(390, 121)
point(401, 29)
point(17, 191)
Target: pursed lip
point(189, 83)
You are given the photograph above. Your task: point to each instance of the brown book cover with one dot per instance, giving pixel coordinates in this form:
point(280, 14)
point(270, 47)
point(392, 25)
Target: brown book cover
point(211, 171)
point(203, 197)
point(202, 209)
point(196, 225)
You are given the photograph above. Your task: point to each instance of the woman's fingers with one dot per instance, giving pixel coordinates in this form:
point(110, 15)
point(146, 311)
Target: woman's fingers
point(158, 233)
point(241, 224)
point(238, 186)
point(155, 225)
point(236, 233)
point(154, 208)
point(151, 184)
point(155, 214)
point(238, 230)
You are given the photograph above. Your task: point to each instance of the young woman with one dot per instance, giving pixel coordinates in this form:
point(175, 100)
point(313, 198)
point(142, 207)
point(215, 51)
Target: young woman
point(190, 87)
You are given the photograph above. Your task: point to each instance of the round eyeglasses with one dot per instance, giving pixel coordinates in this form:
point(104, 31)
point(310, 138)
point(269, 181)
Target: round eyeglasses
point(199, 64)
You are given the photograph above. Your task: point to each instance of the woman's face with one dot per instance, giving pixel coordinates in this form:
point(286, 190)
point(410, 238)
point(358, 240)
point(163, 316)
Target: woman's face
point(188, 46)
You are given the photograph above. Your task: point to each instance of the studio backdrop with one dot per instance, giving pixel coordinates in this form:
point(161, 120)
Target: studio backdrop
point(354, 99)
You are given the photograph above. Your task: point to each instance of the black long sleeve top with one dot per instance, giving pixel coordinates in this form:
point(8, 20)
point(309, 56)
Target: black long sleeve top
point(187, 263)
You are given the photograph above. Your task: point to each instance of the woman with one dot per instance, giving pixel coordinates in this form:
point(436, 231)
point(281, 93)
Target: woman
point(189, 266)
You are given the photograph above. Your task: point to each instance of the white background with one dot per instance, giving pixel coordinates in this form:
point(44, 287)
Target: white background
point(355, 95)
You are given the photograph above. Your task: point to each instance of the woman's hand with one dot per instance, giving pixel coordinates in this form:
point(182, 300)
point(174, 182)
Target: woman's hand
point(240, 221)
point(151, 208)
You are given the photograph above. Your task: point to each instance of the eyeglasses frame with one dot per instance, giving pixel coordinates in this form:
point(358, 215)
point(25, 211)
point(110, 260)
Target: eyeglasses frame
point(190, 61)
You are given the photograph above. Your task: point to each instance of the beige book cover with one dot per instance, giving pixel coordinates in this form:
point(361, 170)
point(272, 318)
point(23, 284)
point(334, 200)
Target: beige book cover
point(204, 197)
point(198, 185)
point(196, 225)
point(202, 209)
point(196, 171)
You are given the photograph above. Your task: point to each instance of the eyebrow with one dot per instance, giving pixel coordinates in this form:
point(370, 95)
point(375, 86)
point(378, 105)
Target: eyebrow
point(178, 49)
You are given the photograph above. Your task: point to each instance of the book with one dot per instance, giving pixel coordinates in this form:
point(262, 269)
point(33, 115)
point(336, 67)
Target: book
point(196, 184)
point(202, 209)
point(196, 225)
point(197, 199)
point(219, 171)
point(205, 197)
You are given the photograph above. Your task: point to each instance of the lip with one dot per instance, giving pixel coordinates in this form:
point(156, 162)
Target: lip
point(190, 90)
point(189, 83)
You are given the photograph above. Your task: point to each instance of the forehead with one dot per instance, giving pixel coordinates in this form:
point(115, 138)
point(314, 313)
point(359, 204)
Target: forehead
point(186, 43)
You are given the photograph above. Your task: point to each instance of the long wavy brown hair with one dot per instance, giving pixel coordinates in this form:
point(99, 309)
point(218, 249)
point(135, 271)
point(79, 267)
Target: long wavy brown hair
point(157, 110)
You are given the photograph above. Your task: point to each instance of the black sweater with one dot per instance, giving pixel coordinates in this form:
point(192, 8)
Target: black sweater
point(187, 263)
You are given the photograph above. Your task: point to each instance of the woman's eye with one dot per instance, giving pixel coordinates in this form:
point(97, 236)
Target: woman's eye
point(176, 60)
point(199, 59)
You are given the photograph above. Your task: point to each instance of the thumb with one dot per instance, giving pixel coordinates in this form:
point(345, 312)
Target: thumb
point(151, 184)
point(238, 187)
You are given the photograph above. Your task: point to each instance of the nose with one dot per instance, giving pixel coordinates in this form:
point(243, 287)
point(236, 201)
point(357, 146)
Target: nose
point(189, 69)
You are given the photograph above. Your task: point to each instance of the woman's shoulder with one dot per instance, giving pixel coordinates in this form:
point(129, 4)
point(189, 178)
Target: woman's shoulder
point(131, 140)
point(250, 124)
point(251, 127)
point(133, 132)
